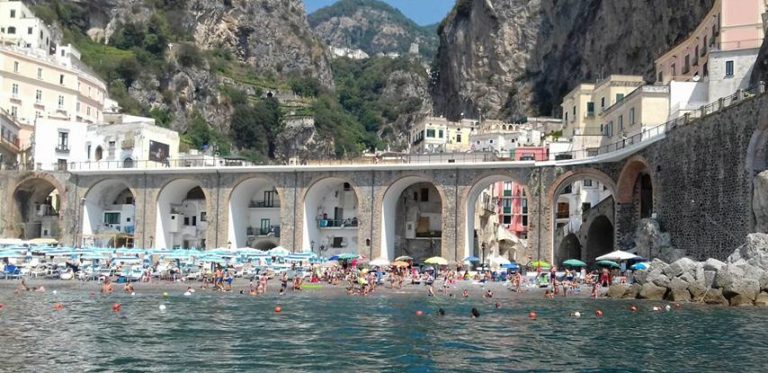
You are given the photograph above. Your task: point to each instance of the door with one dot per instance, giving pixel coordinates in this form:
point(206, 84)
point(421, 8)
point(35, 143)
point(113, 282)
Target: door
point(338, 216)
point(269, 198)
point(264, 227)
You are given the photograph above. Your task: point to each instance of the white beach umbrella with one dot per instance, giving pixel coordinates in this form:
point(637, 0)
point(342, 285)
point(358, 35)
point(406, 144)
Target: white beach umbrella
point(617, 255)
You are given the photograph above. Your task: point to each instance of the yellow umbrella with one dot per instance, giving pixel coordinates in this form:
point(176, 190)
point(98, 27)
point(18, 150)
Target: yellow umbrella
point(400, 264)
point(436, 260)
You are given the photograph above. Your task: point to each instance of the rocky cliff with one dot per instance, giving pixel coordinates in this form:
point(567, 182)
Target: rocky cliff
point(511, 58)
point(262, 43)
point(373, 27)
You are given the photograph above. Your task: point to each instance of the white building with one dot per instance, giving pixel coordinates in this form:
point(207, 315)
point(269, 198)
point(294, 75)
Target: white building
point(575, 199)
point(124, 142)
point(19, 27)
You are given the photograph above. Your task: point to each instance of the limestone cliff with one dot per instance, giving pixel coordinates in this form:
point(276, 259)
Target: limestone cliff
point(373, 27)
point(510, 58)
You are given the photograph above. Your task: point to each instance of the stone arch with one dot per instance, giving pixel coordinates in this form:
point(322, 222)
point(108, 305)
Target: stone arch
point(170, 229)
point(330, 208)
point(33, 193)
point(101, 197)
point(389, 203)
point(246, 216)
point(600, 238)
point(556, 189)
point(634, 168)
point(471, 198)
point(569, 248)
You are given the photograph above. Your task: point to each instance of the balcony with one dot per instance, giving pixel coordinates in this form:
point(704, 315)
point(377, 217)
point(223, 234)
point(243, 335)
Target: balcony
point(62, 148)
point(430, 234)
point(271, 231)
point(341, 224)
point(263, 204)
point(507, 210)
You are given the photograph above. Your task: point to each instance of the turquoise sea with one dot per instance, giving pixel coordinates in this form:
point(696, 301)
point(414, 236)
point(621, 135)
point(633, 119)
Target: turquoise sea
point(329, 331)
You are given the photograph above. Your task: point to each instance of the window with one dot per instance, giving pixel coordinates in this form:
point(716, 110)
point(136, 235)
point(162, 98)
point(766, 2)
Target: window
point(728, 68)
point(458, 137)
point(566, 117)
point(602, 103)
point(424, 194)
point(568, 189)
point(574, 112)
point(440, 134)
point(38, 96)
point(632, 116)
point(12, 30)
point(696, 56)
point(14, 111)
point(586, 206)
point(507, 219)
point(431, 133)
point(77, 107)
point(673, 70)
point(687, 65)
point(29, 30)
point(99, 154)
point(203, 216)
point(88, 110)
point(15, 90)
point(61, 79)
point(587, 182)
point(706, 69)
point(661, 77)
point(61, 102)
point(347, 187)
point(63, 142)
point(563, 210)
point(621, 123)
point(15, 66)
point(39, 73)
point(590, 108)
point(609, 129)
point(111, 218)
point(13, 13)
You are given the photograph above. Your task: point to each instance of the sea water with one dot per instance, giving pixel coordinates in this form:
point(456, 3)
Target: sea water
point(329, 331)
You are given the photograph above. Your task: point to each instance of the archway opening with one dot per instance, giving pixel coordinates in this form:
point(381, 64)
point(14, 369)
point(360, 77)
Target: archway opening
point(181, 216)
point(265, 244)
point(128, 163)
point(570, 247)
point(38, 204)
point(578, 201)
point(497, 219)
point(636, 187)
point(254, 213)
point(331, 218)
point(109, 215)
point(412, 220)
point(599, 238)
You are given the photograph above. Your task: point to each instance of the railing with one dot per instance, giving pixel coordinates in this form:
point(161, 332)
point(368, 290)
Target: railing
point(272, 231)
point(341, 223)
point(263, 204)
point(62, 149)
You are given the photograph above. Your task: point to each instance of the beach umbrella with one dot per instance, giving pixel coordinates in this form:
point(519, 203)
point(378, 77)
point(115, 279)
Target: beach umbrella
point(618, 256)
point(541, 264)
point(574, 263)
point(403, 258)
point(640, 266)
point(511, 266)
point(348, 256)
point(436, 260)
point(471, 259)
point(400, 264)
point(379, 262)
point(607, 263)
point(278, 251)
point(335, 257)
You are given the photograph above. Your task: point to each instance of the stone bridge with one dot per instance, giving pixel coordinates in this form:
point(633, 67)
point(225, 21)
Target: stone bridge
point(696, 180)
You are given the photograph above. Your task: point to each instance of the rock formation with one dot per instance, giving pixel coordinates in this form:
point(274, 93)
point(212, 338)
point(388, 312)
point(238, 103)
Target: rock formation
point(740, 281)
point(509, 58)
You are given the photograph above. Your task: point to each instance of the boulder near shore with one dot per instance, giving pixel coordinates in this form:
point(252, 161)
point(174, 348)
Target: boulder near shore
point(742, 280)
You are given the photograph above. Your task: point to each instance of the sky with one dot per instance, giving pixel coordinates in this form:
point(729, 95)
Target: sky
point(424, 12)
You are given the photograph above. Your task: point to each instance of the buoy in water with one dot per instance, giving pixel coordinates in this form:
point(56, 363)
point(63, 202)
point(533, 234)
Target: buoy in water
point(668, 308)
point(278, 309)
point(577, 314)
point(162, 308)
point(165, 295)
point(133, 293)
point(186, 294)
point(116, 307)
point(55, 292)
point(656, 308)
point(1, 306)
point(419, 313)
point(532, 315)
point(633, 308)
point(599, 313)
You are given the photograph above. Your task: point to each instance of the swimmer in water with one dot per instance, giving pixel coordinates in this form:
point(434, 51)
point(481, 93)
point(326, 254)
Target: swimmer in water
point(466, 294)
point(106, 288)
point(475, 313)
point(128, 288)
point(440, 312)
point(488, 294)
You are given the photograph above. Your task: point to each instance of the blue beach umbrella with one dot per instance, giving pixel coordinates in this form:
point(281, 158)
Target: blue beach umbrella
point(511, 266)
point(640, 266)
